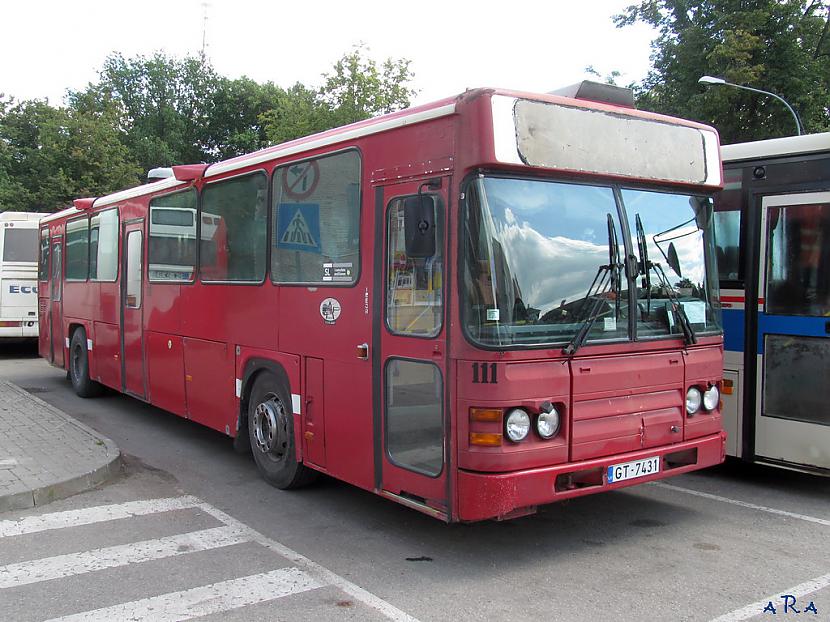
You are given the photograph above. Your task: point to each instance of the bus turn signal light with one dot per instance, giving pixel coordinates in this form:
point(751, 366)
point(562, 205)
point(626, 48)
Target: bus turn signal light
point(489, 415)
point(485, 439)
point(728, 387)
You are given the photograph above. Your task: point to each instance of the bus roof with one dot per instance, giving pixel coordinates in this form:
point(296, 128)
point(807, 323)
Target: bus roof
point(375, 125)
point(21, 216)
point(791, 145)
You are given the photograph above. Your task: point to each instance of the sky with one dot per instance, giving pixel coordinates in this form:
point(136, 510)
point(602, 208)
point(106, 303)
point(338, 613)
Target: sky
point(49, 46)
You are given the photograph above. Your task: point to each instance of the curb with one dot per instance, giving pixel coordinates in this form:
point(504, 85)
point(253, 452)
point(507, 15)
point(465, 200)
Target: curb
point(72, 485)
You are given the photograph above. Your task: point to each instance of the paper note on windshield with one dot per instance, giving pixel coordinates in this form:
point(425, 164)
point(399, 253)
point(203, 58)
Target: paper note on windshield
point(695, 311)
point(609, 324)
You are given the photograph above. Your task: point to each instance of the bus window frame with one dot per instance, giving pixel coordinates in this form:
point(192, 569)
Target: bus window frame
point(271, 210)
point(196, 215)
point(199, 209)
point(66, 242)
point(117, 245)
point(438, 205)
point(746, 198)
point(43, 274)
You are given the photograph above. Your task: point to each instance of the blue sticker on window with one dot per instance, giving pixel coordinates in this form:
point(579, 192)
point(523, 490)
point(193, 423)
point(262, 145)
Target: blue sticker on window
point(298, 227)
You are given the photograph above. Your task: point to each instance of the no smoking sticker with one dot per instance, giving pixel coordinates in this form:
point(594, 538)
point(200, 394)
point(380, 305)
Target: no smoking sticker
point(300, 180)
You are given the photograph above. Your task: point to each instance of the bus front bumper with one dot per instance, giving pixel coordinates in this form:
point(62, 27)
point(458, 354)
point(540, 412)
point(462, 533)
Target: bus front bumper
point(507, 495)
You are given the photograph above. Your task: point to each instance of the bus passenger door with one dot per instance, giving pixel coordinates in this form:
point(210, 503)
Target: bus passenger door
point(793, 418)
point(56, 303)
point(412, 425)
point(132, 338)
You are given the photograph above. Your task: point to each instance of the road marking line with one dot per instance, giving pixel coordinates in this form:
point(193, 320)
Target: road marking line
point(88, 516)
point(757, 608)
point(743, 504)
point(48, 568)
point(323, 574)
point(204, 600)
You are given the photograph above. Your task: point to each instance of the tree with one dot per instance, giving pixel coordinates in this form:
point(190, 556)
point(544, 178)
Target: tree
point(358, 89)
point(782, 46)
point(49, 156)
point(234, 123)
point(165, 105)
point(300, 112)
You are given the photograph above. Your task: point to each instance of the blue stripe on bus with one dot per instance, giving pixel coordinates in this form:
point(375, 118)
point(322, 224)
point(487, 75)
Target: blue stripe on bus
point(790, 325)
point(733, 330)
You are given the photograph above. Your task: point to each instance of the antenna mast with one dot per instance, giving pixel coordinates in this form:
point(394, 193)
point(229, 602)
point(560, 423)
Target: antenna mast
point(205, 7)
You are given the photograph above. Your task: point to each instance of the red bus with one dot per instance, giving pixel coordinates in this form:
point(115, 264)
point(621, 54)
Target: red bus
point(473, 307)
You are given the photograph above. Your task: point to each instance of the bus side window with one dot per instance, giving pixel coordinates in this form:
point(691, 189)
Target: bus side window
point(316, 221)
point(414, 304)
point(172, 247)
point(727, 225)
point(103, 246)
point(77, 249)
point(727, 241)
point(43, 264)
point(234, 229)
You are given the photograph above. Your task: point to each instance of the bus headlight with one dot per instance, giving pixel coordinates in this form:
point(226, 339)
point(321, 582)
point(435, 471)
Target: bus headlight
point(547, 423)
point(711, 398)
point(693, 400)
point(517, 425)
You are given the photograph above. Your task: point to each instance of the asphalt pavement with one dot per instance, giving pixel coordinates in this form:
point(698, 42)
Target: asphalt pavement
point(723, 544)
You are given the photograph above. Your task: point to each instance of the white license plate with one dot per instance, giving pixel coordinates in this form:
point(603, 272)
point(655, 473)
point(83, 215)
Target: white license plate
point(633, 470)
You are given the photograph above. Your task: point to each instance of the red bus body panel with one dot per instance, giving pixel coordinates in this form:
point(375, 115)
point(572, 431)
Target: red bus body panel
point(195, 349)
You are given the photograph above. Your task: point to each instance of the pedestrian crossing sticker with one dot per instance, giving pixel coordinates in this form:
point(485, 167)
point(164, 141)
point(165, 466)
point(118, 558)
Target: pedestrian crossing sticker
point(298, 227)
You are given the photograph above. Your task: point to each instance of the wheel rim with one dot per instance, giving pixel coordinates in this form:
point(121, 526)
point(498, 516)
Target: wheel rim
point(270, 428)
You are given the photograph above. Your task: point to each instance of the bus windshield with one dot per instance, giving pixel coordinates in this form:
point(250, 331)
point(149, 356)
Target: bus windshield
point(544, 261)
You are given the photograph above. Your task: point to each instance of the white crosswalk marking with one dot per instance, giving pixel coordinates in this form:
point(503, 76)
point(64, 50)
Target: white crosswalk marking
point(204, 600)
point(304, 574)
point(59, 566)
point(89, 516)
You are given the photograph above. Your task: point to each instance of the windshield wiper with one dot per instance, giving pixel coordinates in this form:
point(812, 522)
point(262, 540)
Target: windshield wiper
point(646, 266)
point(599, 287)
point(689, 336)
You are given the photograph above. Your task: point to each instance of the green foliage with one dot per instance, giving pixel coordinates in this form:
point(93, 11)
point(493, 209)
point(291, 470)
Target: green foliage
point(48, 156)
point(299, 113)
point(781, 46)
point(154, 111)
point(357, 89)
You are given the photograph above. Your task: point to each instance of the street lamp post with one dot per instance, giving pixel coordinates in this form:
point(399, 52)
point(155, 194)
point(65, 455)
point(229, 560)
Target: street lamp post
point(710, 80)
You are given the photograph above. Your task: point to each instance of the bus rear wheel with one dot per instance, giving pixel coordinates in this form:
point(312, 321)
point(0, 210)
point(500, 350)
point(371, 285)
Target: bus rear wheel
point(79, 366)
point(271, 433)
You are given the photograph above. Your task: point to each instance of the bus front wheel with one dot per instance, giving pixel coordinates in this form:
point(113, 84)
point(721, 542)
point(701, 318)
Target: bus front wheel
point(83, 385)
point(271, 432)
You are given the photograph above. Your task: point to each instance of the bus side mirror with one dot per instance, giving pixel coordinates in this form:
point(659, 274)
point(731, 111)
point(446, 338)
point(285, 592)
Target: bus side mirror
point(419, 225)
point(673, 259)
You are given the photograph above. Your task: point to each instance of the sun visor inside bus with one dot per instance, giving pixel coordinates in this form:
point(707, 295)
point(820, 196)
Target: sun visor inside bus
point(594, 141)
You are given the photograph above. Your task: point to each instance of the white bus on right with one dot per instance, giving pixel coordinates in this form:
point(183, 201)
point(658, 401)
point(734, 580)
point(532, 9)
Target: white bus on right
point(18, 275)
point(772, 232)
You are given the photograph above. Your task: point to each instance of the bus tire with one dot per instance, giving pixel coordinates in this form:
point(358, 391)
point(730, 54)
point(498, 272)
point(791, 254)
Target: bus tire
point(271, 433)
point(79, 366)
